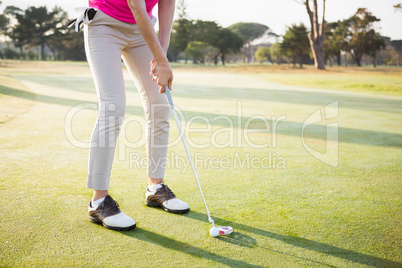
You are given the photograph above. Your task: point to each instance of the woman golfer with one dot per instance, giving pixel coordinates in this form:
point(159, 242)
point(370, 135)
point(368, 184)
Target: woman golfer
point(123, 29)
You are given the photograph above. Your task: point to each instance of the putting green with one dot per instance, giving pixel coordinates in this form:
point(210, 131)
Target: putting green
point(267, 155)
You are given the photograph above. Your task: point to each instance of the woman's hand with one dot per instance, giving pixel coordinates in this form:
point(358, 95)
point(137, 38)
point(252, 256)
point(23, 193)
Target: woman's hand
point(162, 74)
point(160, 69)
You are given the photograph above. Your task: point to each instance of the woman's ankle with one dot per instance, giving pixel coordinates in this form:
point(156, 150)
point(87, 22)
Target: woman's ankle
point(98, 194)
point(153, 181)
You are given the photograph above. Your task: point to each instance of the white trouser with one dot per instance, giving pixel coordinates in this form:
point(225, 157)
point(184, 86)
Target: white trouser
point(107, 40)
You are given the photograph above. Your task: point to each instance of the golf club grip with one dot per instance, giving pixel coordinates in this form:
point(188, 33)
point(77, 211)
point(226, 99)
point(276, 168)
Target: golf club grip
point(169, 97)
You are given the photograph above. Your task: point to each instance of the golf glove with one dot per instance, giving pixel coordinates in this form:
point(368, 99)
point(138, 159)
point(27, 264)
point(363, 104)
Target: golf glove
point(85, 16)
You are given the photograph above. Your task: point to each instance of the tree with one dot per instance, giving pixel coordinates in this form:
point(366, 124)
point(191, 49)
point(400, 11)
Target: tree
point(223, 39)
point(182, 9)
point(227, 42)
point(36, 26)
point(328, 46)
point(248, 32)
point(58, 32)
point(32, 27)
point(398, 7)
point(374, 43)
point(210, 54)
point(205, 31)
point(276, 53)
point(208, 32)
point(316, 36)
point(184, 31)
point(10, 12)
point(181, 32)
point(180, 36)
point(3, 25)
point(198, 51)
point(397, 47)
point(262, 54)
point(335, 39)
point(363, 37)
point(295, 43)
point(73, 44)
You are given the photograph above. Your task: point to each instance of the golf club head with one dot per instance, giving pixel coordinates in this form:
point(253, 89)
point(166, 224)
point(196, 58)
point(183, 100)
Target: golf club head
point(220, 230)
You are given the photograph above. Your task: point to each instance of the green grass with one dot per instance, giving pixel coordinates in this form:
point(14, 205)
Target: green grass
point(381, 80)
point(295, 212)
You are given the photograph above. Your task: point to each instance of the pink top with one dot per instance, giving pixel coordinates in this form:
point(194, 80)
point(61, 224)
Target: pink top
point(119, 9)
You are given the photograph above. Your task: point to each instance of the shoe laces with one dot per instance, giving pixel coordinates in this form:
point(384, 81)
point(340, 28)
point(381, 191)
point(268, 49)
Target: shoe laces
point(166, 190)
point(110, 204)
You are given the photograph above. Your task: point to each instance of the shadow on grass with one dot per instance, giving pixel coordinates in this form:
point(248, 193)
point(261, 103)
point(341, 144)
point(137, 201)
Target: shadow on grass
point(348, 135)
point(239, 239)
point(157, 239)
point(298, 242)
point(303, 97)
point(57, 100)
point(292, 94)
point(316, 131)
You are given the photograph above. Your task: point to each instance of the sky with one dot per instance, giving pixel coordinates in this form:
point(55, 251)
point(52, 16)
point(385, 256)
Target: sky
point(276, 14)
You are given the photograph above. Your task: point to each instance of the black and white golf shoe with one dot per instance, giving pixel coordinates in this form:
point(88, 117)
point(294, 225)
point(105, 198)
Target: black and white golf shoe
point(166, 199)
point(109, 215)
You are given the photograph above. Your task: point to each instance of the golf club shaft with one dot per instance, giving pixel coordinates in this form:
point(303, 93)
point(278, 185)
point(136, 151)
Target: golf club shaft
point(170, 100)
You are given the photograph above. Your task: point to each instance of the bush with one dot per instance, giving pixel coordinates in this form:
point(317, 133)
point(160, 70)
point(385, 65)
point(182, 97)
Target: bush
point(31, 55)
point(23, 56)
point(9, 53)
point(263, 54)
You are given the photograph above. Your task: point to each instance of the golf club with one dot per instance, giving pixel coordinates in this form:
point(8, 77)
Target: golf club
point(215, 230)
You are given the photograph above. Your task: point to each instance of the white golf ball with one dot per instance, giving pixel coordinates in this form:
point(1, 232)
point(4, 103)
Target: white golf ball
point(214, 231)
